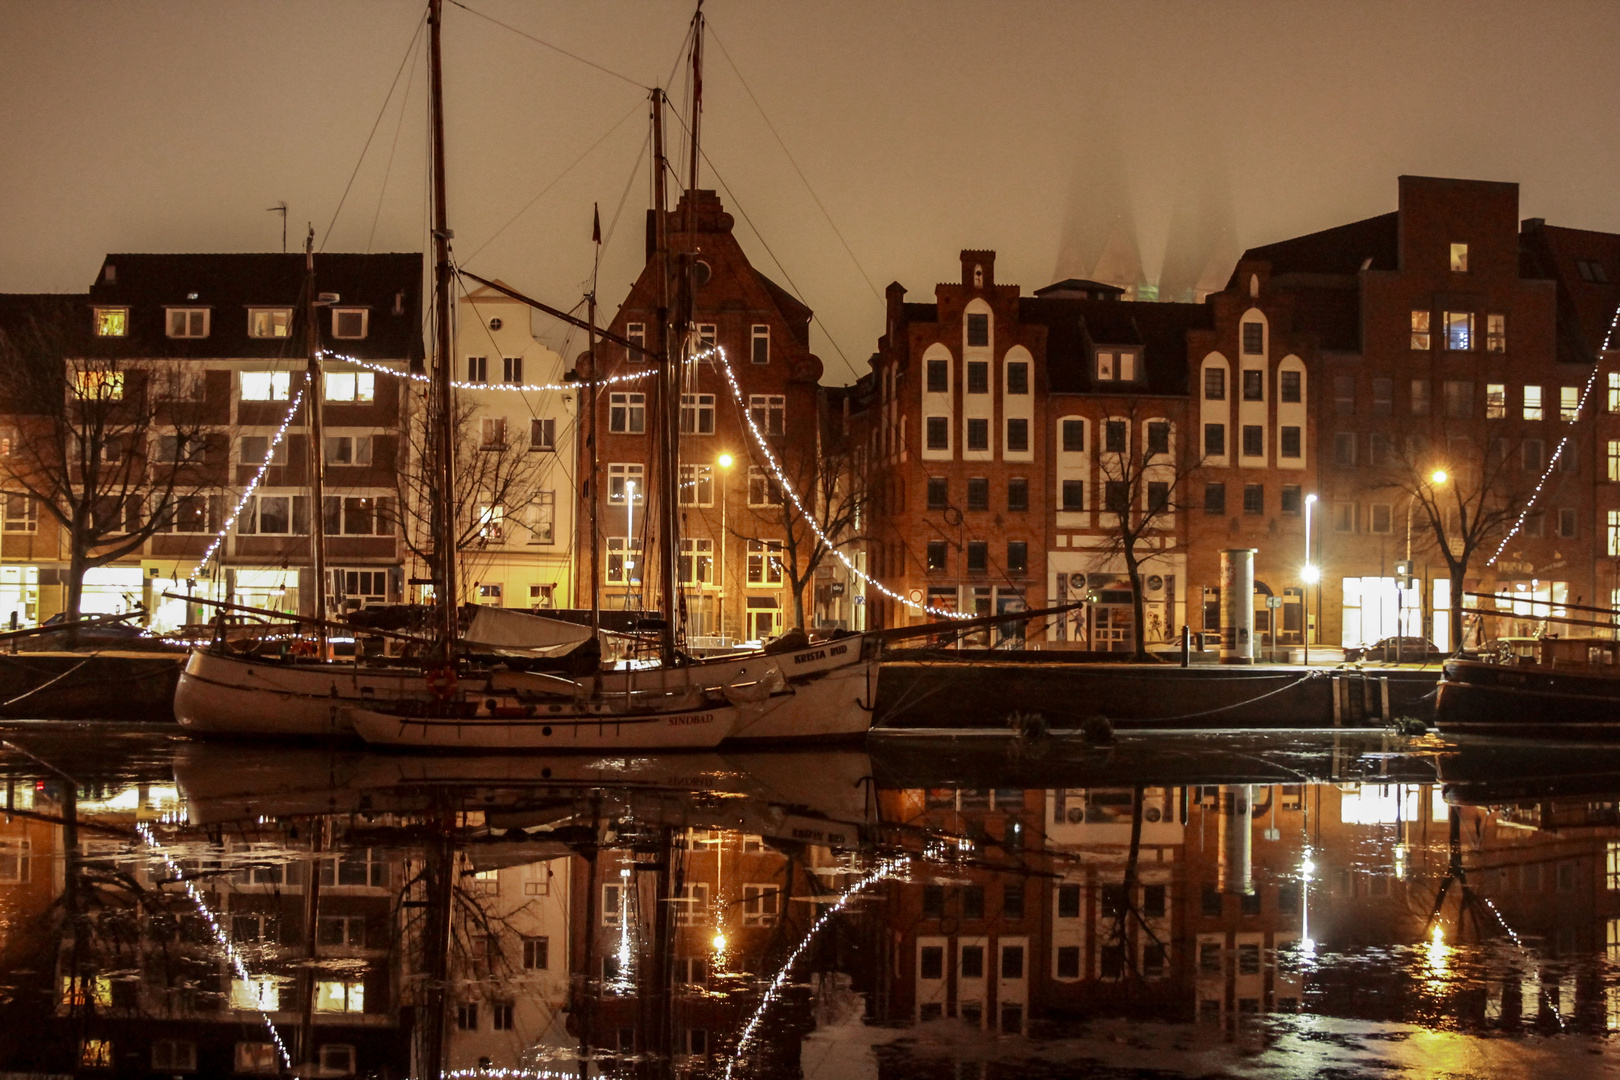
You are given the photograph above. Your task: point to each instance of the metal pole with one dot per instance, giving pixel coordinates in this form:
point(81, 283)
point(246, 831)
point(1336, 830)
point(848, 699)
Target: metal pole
point(315, 388)
point(445, 542)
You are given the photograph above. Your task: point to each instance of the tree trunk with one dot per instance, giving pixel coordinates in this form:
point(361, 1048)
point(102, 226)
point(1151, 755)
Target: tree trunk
point(1458, 575)
point(1138, 608)
point(77, 557)
point(798, 604)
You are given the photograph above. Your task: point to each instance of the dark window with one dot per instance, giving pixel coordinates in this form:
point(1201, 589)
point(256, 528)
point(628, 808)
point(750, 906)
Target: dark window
point(1074, 436)
point(1153, 901)
point(978, 328)
point(1344, 448)
point(1289, 442)
point(1158, 437)
point(1111, 962)
point(1012, 961)
point(1383, 397)
point(1288, 899)
point(1115, 497)
point(1209, 953)
point(1214, 440)
point(1017, 494)
point(1214, 383)
point(978, 434)
point(1012, 900)
point(1017, 556)
point(1211, 900)
point(1254, 440)
point(978, 377)
point(1018, 378)
point(939, 433)
point(1249, 904)
point(1254, 386)
point(1153, 957)
point(933, 962)
point(1248, 958)
point(1533, 455)
point(936, 554)
point(978, 556)
point(1112, 902)
point(938, 376)
point(1566, 522)
point(1292, 501)
point(973, 901)
point(1068, 902)
point(1254, 338)
point(1068, 962)
point(1254, 498)
point(1114, 436)
point(933, 902)
point(1017, 436)
point(939, 496)
point(1344, 395)
point(1215, 498)
point(972, 962)
point(1074, 495)
point(1158, 496)
point(1458, 397)
point(978, 493)
point(1288, 386)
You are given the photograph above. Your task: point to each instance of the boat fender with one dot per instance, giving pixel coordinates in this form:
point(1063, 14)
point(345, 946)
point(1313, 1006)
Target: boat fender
point(742, 691)
point(1410, 725)
point(1098, 731)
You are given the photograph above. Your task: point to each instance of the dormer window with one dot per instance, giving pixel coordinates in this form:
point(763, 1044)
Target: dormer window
point(349, 323)
point(1459, 258)
point(1116, 365)
point(269, 322)
point(188, 322)
point(112, 321)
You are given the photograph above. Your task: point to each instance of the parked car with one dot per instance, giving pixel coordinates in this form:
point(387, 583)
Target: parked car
point(103, 634)
point(1413, 650)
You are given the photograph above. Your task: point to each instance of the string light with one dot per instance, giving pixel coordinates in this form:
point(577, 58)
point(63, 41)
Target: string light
point(233, 957)
point(885, 868)
point(524, 388)
point(782, 482)
point(253, 485)
point(1552, 463)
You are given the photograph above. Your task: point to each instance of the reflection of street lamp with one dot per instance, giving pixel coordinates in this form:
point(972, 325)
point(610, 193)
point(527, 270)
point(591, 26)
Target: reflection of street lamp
point(1310, 575)
point(724, 462)
point(629, 534)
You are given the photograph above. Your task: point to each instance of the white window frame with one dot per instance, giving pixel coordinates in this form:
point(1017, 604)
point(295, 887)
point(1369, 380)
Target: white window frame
point(26, 519)
point(337, 321)
point(761, 485)
point(759, 334)
point(623, 554)
point(478, 369)
point(1534, 407)
point(264, 385)
point(691, 903)
point(762, 904)
point(492, 433)
point(187, 322)
point(543, 518)
point(350, 386)
point(636, 333)
point(543, 435)
point(276, 320)
point(620, 473)
point(697, 414)
point(512, 369)
point(106, 318)
point(356, 449)
point(625, 409)
point(765, 568)
point(696, 566)
point(697, 485)
point(769, 413)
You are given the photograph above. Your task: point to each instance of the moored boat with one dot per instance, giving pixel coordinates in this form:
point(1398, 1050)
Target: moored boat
point(1569, 688)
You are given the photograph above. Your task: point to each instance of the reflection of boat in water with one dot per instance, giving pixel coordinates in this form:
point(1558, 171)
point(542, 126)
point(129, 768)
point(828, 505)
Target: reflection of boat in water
point(1568, 689)
point(1492, 771)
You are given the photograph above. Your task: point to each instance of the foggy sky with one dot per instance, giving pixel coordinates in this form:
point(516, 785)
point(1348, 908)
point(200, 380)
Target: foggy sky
point(1062, 135)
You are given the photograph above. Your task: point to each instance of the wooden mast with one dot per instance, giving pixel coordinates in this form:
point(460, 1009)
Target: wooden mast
point(315, 388)
point(665, 388)
point(444, 400)
point(593, 480)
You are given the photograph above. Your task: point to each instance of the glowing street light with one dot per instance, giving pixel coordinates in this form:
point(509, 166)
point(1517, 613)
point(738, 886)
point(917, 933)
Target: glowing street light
point(1439, 476)
point(725, 462)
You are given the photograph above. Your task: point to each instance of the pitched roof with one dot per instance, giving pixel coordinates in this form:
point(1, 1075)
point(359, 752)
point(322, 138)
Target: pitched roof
point(1074, 327)
point(229, 284)
point(1340, 250)
point(1586, 266)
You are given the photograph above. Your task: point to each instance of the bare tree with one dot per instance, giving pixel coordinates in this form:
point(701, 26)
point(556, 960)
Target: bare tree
point(496, 474)
point(112, 450)
point(832, 495)
point(1465, 492)
point(1146, 465)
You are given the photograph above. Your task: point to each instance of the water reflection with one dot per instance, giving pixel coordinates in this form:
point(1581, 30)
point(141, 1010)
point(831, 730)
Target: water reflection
point(1168, 905)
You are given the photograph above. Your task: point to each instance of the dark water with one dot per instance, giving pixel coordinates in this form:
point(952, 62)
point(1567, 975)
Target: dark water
point(1276, 905)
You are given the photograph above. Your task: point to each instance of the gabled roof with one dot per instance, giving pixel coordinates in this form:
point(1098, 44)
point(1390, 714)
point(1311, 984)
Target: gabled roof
point(229, 284)
point(1342, 249)
point(1076, 327)
point(1588, 295)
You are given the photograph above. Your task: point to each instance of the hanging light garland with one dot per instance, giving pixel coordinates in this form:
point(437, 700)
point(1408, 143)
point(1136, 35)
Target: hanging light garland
point(522, 388)
point(253, 485)
point(232, 957)
point(782, 481)
point(885, 868)
point(1563, 444)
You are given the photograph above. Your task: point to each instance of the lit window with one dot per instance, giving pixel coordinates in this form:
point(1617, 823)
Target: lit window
point(265, 385)
point(1614, 532)
point(626, 477)
point(627, 413)
point(187, 322)
point(96, 1053)
point(1614, 460)
point(1614, 391)
point(349, 323)
point(21, 513)
point(697, 414)
point(99, 385)
point(269, 322)
point(1569, 403)
point(1459, 257)
point(1496, 333)
point(1495, 401)
point(764, 562)
point(696, 561)
point(623, 568)
point(1459, 328)
point(706, 336)
point(351, 386)
point(257, 1057)
point(1532, 403)
point(14, 861)
point(1420, 330)
point(260, 993)
point(760, 344)
point(112, 321)
point(542, 518)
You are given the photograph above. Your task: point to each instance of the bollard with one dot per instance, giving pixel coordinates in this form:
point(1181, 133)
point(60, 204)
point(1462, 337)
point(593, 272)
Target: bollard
point(1186, 644)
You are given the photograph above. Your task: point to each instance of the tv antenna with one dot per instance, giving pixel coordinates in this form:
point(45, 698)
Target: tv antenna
point(280, 208)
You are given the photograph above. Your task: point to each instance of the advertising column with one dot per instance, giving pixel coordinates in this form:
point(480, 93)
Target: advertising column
point(1237, 606)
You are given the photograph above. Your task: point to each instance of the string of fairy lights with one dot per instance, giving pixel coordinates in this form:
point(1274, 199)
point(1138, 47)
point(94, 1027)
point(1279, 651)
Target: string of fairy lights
point(1563, 444)
point(884, 869)
point(253, 485)
point(522, 388)
point(233, 957)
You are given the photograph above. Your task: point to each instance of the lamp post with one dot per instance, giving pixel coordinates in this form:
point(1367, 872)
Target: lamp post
point(1310, 575)
point(629, 536)
point(724, 462)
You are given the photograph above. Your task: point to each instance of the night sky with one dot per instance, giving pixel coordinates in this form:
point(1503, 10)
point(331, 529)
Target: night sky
point(1076, 139)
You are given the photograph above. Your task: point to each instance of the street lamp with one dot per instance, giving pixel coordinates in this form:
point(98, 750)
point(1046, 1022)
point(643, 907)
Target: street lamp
point(724, 462)
point(1310, 575)
point(629, 535)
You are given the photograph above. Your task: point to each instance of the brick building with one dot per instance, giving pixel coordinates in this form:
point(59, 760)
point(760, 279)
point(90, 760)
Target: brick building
point(732, 518)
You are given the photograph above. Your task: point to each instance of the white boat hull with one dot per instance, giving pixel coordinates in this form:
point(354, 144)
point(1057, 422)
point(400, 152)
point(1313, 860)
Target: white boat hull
point(232, 695)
